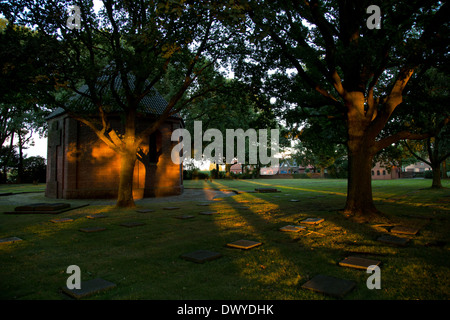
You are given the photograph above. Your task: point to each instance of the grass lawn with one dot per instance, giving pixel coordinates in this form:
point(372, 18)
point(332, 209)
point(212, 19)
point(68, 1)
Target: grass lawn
point(145, 261)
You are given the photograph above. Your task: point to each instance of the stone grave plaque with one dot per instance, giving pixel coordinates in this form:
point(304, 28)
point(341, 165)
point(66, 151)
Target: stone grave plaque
point(88, 288)
point(43, 207)
point(61, 220)
point(242, 207)
point(404, 230)
point(92, 229)
point(386, 238)
point(358, 263)
point(10, 240)
point(132, 224)
point(145, 210)
point(291, 228)
point(183, 217)
point(203, 204)
point(312, 220)
point(330, 285)
point(201, 256)
point(208, 213)
point(294, 200)
point(96, 216)
point(171, 208)
point(266, 190)
point(28, 207)
point(244, 244)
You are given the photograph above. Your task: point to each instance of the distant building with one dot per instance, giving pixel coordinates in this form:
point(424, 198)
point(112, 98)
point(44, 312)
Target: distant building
point(380, 172)
point(288, 166)
point(268, 171)
point(417, 167)
point(236, 168)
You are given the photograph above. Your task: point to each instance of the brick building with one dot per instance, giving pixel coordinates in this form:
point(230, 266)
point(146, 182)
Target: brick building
point(80, 165)
point(380, 172)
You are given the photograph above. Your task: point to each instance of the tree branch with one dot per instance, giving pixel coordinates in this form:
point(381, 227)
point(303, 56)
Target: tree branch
point(414, 154)
point(385, 142)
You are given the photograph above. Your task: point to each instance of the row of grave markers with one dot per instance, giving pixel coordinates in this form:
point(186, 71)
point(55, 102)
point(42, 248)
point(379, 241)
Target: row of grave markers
point(321, 283)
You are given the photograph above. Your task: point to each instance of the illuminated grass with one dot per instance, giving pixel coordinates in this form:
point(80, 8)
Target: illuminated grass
point(144, 261)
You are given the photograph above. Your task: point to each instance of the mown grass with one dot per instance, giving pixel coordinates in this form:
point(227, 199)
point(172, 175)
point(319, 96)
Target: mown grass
point(145, 261)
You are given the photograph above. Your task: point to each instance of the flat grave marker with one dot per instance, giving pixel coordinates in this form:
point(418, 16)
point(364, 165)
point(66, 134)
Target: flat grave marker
point(330, 285)
point(404, 230)
point(10, 240)
point(132, 224)
point(89, 287)
point(208, 213)
point(294, 200)
point(203, 204)
point(397, 241)
point(291, 228)
point(183, 217)
point(61, 220)
point(201, 256)
point(96, 216)
point(171, 208)
point(92, 229)
point(145, 210)
point(312, 221)
point(244, 244)
point(43, 207)
point(358, 262)
point(266, 190)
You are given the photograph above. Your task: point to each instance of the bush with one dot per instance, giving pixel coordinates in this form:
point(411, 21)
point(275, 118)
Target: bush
point(428, 174)
point(300, 176)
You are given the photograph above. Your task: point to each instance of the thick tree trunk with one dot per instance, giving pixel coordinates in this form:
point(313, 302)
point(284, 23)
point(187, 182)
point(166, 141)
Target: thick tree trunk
point(127, 162)
point(359, 186)
point(125, 194)
point(360, 154)
point(322, 172)
point(436, 176)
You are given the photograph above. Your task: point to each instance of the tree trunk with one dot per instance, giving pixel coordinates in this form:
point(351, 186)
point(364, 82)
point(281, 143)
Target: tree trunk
point(359, 186)
point(444, 169)
point(127, 162)
point(125, 195)
point(20, 174)
point(322, 173)
point(436, 176)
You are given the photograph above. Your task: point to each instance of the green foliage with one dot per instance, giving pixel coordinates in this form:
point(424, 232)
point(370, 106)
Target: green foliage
point(195, 174)
point(301, 176)
point(34, 171)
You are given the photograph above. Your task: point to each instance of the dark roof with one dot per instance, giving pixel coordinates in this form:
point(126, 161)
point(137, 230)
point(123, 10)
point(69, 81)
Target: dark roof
point(152, 103)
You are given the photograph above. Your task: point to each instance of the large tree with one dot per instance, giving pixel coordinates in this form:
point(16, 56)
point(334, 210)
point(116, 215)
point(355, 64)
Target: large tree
point(22, 80)
point(326, 51)
point(132, 43)
point(429, 102)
